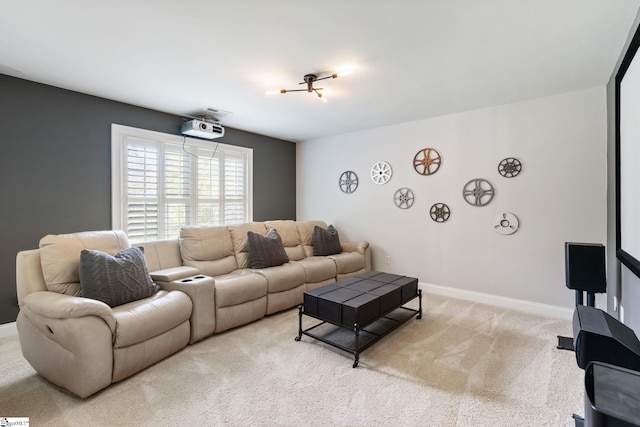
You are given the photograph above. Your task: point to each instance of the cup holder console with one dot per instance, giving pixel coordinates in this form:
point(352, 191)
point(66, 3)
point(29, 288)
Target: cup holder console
point(198, 278)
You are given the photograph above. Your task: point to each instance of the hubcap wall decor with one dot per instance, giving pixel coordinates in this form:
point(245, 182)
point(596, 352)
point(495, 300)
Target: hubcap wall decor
point(439, 212)
point(348, 182)
point(403, 198)
point(427, 161)
point(478, 192)
point(381, 172)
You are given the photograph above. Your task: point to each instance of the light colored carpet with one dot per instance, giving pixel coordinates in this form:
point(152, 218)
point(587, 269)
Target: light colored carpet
point(463, 364)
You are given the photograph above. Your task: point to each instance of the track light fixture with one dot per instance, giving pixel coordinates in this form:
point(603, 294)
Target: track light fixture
point(309, 80)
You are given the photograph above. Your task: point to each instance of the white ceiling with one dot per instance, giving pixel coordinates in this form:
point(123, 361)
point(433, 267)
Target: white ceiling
point(413, 59)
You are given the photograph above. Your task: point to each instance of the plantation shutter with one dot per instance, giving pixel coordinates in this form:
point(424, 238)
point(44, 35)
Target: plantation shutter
point(209, 190)
point(234, 188)
point(162, 182)
point(177, 191)
point(142, 190)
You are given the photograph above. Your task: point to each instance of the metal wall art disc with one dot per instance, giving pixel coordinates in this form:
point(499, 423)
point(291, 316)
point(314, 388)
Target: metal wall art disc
point(509, 167)
point(478, 192)
point(426, 161)
point(403, 198)
point(381, 172)
point(505, 223)
point(348, 182)
point(439, 212)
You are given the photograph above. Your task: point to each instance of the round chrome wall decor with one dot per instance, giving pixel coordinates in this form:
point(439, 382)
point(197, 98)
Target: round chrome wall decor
point(505, 223)
point(381, 172)
point(478, 192)
point(348, 182)
point(509, 167)
point(404, 198)
point(427, 161)
point(439, 212)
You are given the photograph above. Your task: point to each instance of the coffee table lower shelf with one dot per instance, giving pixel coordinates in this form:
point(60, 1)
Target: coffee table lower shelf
point(358, 338)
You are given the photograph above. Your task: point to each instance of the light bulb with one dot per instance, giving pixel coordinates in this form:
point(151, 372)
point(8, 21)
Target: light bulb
point(345, 70)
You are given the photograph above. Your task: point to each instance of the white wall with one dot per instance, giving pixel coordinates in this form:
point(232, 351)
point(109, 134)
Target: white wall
point(560, 195)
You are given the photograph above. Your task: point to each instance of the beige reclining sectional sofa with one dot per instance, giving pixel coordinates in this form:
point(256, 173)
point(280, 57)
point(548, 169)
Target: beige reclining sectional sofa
point(205, 283)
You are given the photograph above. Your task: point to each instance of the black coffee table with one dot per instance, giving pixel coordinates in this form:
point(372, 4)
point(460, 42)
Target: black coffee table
point(358, 311)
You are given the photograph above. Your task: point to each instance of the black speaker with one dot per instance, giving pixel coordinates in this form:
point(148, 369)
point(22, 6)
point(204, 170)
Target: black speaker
point(599, 337)
point(585, 267)
point(612, 396)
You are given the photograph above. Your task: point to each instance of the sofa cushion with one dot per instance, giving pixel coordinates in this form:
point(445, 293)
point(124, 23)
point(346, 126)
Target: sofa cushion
point(239, 238)
point(60, 256)
point(143, 319)
point(283, 277)
point(348, 262)
point(318, 269)
point(117, 279)
point(161, 254)
point(290, 235)
point(266, 250)
point(209, 249)
point(205, 243)
point(239, 287)
point(326, 242)
point(305, 229)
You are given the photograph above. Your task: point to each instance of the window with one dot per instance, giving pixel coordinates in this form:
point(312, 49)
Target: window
point(161, 182)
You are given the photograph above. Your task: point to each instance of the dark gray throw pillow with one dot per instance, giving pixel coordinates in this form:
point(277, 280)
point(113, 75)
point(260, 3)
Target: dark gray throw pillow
point(266, 250)
point(325, 242)
point(115, 280)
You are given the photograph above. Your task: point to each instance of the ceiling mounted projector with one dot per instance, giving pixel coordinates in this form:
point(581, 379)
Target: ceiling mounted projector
point(202, 129)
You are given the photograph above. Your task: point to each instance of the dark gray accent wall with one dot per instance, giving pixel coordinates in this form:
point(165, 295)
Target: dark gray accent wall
point(55, 168)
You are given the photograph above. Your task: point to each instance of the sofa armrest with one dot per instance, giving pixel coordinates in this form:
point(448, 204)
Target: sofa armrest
point(360, 247)
point(201, 290)
point(59, 306)
point(171, 274)
point(68, 340)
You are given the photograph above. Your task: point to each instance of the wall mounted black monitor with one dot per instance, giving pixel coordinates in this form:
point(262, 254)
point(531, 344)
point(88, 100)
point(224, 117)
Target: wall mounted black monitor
point(627, 87)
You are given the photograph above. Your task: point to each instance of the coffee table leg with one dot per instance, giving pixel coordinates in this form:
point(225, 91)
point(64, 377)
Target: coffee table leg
point(419, 304)
point(357, 345)
point(299, 337)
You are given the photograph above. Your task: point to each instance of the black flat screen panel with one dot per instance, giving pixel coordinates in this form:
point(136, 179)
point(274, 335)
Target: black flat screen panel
point(627, 85)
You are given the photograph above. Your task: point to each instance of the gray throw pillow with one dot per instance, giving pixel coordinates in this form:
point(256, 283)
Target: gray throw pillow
point(115, 280)
point(325, 242)
point(266, 250)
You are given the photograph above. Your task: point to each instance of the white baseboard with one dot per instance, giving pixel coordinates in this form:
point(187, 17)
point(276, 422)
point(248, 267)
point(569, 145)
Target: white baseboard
point(498, 301)
point(8, 330)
